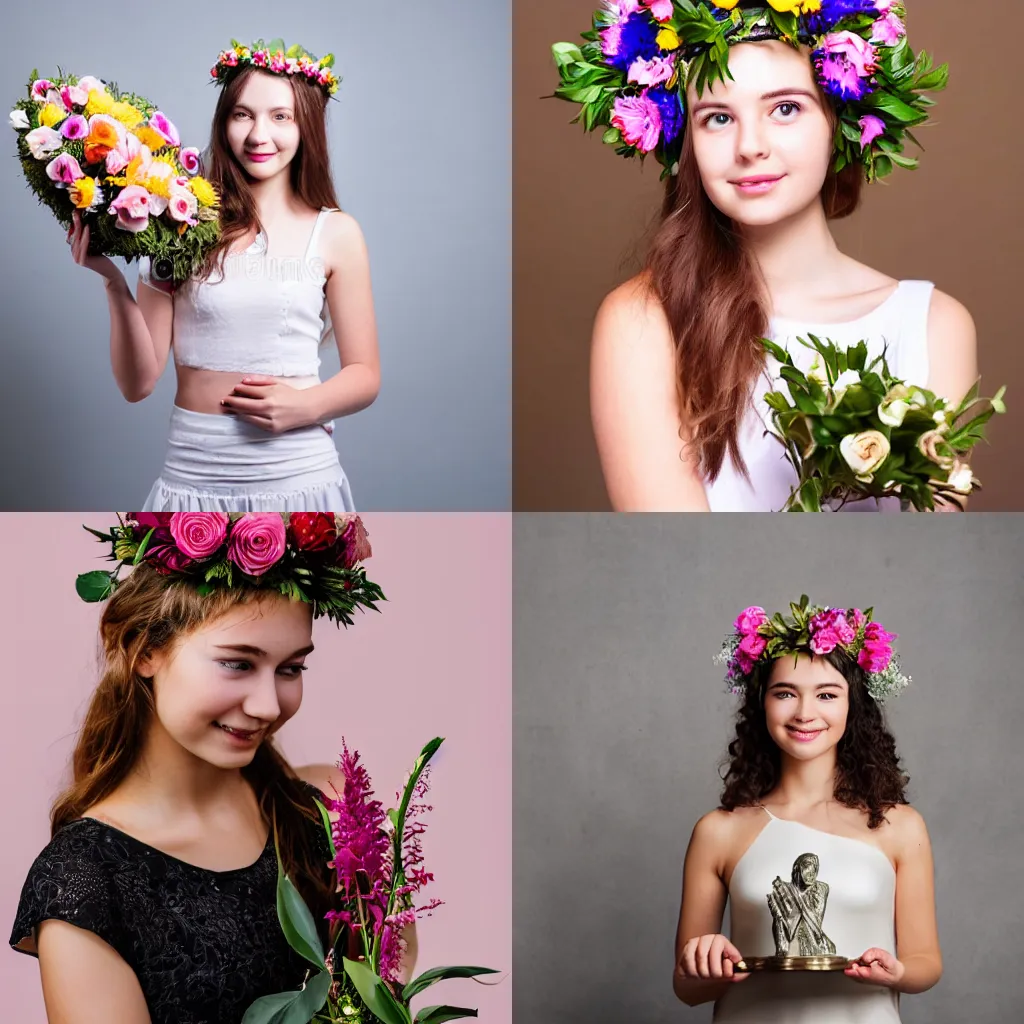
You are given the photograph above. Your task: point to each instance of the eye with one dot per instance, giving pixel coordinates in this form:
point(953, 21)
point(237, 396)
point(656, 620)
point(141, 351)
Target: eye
point(779, 694)
point(236, 666)
point(716, 120)
point(788, 110)
point(240, 113)
point(292, 671)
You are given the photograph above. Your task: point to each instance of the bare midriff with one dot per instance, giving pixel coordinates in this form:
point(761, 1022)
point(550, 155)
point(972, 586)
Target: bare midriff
point(203, 390)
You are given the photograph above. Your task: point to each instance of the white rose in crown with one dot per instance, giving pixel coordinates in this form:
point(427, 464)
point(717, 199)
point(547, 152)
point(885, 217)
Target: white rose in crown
point(865, 452)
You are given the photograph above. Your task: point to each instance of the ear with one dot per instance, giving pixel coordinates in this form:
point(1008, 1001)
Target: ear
point(150, 663)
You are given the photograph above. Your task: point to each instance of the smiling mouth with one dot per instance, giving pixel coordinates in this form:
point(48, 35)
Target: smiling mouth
point(806, 735)
point(242, 734)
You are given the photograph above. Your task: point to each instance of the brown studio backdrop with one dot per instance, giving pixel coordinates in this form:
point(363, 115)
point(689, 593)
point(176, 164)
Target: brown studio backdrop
point(581, 215)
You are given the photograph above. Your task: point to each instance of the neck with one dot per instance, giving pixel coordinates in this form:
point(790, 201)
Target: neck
point(170, 781)
point(806, 784)
point(794, 255)
point(273, 195)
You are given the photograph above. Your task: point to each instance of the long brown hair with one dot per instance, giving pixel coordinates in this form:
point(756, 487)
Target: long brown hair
point(708, 283)
point(148, 613)
point(868, 772)
point(310, 168)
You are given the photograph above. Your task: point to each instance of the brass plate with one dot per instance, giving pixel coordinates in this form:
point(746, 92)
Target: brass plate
point(793, 963)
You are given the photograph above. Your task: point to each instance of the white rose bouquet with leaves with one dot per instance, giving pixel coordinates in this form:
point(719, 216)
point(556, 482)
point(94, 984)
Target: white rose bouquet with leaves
point(871, 435)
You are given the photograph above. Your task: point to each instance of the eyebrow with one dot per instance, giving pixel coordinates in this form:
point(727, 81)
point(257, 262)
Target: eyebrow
point(258, 652)
point(774, 95)
point(793, 686)
point(274, 110)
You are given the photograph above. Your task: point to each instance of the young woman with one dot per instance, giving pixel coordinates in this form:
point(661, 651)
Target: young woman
point(251, 428)
point(155, 900)
point(813, 794)
point(757, 165)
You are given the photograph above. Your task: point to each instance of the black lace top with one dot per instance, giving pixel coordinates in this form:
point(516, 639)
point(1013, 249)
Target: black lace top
point(204, 944)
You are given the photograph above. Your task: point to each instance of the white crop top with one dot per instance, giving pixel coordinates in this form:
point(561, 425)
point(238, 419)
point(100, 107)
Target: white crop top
point(266, 314)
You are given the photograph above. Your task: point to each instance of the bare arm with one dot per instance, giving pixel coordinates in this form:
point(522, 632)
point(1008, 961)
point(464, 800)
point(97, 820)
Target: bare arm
point(704, 957)
point(350, 301)
point(84, 980)
point(635, 408)
point(140, 332)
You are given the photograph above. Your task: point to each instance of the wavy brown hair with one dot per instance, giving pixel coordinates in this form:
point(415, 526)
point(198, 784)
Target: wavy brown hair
point(711, 289)
point(868, 772)
point(148, 613)
point(310, 168)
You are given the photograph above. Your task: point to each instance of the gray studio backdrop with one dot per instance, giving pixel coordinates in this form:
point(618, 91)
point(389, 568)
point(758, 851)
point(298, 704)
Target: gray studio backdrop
point(621, 723)
point(420, 148)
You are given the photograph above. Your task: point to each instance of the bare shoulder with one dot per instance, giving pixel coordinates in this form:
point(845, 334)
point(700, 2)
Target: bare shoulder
point(344, 232)
point(952, 347)
point(908, 833)
point(325, 777)
point(631, 313)
point(721, 827)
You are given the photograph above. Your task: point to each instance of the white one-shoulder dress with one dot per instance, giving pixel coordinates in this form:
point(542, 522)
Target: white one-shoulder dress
point(859, 913)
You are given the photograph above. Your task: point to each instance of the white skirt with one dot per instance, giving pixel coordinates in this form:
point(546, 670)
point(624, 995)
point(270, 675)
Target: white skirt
point(219, 463)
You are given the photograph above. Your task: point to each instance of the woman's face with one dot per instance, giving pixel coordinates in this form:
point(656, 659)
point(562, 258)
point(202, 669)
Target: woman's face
point(262, 130)
point(762, 142)
point(222, 689)
point(805, 706)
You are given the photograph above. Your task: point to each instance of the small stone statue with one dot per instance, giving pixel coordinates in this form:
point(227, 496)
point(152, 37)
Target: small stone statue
point(798, 908)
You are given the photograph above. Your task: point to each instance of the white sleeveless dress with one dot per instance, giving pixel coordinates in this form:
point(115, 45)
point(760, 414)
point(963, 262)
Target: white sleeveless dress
point(859, 914)
point(266, 315)
point(899, 326)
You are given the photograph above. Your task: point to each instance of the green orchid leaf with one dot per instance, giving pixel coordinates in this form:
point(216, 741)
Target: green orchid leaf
point(297, 922)
point(428, 978)
point(439, 1014)
point(378, 998)
point(298, 1007)
point(325, 818)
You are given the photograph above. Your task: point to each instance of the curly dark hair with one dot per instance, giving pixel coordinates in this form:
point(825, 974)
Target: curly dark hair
point(868, 772)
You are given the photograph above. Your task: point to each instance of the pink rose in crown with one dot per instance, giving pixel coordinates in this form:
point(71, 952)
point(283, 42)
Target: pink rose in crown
point(661, 9)
point(651, 72)
point(856, 49)
point(744, 662)
point(168, 558)
point(256, 541)
point(753, 645)
point(199, 534)
point(824, 641)
point(750, 620)
point(132, 208)
point(40, 87)
point(877, 651)
point(889, 30)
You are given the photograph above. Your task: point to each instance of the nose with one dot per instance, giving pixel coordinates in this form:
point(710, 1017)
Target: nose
point(261, 701)
point(751, 140)
point(258, 133)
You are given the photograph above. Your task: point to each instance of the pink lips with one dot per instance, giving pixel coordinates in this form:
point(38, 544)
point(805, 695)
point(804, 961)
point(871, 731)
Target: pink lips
point(259, 158)
point(804, 737)
point(758, 184)
point(240, 736)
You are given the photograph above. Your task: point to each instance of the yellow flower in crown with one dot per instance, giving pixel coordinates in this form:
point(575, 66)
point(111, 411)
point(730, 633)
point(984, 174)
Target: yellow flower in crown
point(668, 39)
point(203, 191)
point(99, 103)
point(50, 115)
point(725, 5)
point(129, 116)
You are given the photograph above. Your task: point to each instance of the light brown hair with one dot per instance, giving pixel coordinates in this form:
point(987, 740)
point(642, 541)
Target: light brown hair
point(147, 613)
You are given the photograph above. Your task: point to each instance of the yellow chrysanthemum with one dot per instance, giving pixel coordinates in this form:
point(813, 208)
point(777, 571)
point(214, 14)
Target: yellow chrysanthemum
point(203, 191)
point(51, 114)
point(158, 186)
point(668, 39)
point(129, 116)
point(150, 137)
point(133, 172)
point(99, 103)
point(83, 192)
point(786, 6)
point(726, 5)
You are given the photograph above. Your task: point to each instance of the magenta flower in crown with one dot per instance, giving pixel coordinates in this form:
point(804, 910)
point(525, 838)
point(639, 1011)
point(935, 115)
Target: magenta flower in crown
point(199, 534)
point(750, 620)
point(257, 541)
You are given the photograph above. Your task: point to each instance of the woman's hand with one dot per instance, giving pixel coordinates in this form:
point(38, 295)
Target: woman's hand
point(78, 239)
point(270, 405)
point(876, 967)
point(711, 956)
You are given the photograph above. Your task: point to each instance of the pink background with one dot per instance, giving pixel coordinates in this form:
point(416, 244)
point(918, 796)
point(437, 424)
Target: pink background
point(436, 662)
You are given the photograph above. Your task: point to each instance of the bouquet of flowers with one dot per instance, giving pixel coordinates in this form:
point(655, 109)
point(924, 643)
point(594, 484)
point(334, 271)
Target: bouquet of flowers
point(853, 431)
point(378, 859)
point(113, 156)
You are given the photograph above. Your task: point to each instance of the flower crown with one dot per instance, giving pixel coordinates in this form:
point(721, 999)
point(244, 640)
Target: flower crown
point(631, 74)
point(309, 556)
point(758, 639)
point(274, 57)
